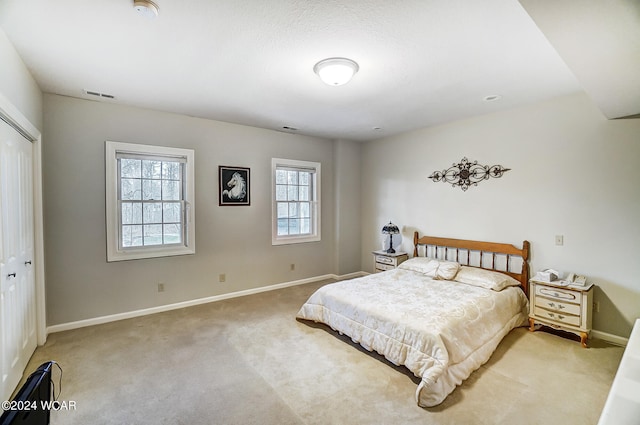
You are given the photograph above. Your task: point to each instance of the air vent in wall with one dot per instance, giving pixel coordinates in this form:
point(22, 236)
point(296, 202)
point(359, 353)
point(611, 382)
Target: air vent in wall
point(98, 94)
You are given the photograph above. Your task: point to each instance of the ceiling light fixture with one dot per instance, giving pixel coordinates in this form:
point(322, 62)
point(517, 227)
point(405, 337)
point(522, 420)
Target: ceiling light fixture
point(146, 8)
point(336, 71)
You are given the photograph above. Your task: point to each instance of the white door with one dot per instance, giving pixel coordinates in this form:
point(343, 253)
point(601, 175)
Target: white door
point(17, 284)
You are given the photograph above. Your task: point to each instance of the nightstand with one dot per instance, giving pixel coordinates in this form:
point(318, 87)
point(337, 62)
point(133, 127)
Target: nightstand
point(564, 307)
point(383, 260)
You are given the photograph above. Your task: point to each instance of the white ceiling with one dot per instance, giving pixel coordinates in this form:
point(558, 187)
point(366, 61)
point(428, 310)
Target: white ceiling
point(600, 42)
point(250, 62)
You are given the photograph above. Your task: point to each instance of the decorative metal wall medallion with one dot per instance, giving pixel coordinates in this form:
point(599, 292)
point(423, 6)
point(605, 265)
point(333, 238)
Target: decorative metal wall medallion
point(465, 173)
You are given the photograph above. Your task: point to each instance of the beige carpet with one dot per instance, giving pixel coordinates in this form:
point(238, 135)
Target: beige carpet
point(248, 361)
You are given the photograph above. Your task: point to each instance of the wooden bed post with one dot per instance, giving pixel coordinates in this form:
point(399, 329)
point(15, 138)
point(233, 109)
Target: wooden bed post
point(415, 243)
point(525, 267)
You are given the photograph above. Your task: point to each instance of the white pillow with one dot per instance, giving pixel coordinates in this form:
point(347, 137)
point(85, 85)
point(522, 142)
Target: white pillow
point(424, 265)
point(437, 269)
point(483, 278)
point(447, 270)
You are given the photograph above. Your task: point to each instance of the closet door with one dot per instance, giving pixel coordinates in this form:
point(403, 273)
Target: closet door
point(17, 282)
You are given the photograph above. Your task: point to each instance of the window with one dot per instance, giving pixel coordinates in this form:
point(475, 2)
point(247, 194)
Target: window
point(150, 191)
point(296, 201)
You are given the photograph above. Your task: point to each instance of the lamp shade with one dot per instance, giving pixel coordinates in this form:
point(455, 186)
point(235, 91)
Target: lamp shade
point(336, 71)
point(390, 229)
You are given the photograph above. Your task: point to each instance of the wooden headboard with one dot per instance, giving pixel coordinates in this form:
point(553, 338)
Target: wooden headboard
point(487, 255)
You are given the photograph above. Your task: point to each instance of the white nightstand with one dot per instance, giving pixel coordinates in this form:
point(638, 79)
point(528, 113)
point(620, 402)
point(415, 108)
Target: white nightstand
point(383, 261)
point(568, 308)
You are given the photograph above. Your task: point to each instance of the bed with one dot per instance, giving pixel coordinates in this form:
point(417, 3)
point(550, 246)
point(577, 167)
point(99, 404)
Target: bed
point(441, 314)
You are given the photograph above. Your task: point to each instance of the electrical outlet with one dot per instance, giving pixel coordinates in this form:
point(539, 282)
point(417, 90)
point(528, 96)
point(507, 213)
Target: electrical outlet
point(559, 240)
point(596, 306)
point(222, 278)
point(292, 267)
point(160, 287)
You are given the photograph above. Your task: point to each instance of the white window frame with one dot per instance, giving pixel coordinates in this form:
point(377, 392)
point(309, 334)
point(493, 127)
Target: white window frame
point(315, 202)
point(115, 252)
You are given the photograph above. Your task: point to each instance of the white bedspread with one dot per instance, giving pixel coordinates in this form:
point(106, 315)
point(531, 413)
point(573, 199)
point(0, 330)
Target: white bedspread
point(440, 330)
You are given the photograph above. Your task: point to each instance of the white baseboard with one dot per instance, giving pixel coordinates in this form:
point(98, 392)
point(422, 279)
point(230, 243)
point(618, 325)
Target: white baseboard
point(613, 339)
point(350, 275)
point(168, 307)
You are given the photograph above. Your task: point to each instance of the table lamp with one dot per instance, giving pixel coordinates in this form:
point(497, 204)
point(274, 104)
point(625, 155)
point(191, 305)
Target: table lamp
point(390, 229)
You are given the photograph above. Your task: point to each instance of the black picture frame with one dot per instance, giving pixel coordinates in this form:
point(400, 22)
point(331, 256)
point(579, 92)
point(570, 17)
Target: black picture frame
point(231, 193)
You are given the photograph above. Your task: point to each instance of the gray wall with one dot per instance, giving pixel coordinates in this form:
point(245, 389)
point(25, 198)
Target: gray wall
point(231, 240)
point(574, 173)
point(347, 190)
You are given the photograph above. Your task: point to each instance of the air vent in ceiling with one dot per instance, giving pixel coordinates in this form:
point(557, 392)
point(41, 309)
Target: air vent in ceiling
point(492, 98)
point(98, 94)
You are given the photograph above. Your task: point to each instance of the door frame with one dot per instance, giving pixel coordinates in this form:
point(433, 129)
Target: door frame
point(12, 116)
